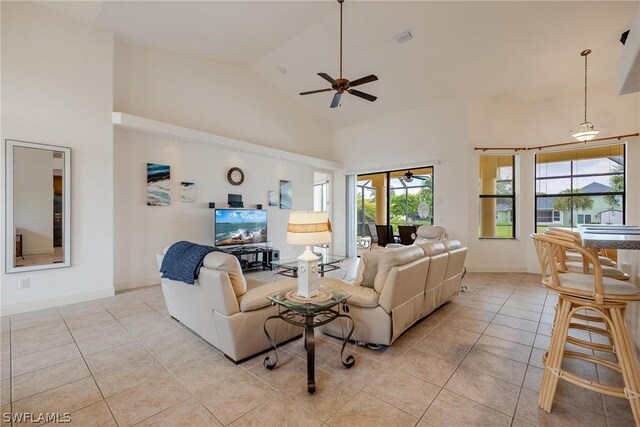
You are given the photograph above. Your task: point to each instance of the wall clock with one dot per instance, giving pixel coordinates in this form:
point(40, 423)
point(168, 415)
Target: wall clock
point(235, 176)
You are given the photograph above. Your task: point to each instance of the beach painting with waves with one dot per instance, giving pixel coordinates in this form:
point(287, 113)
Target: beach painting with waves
point(158, 184)
point(187, 192)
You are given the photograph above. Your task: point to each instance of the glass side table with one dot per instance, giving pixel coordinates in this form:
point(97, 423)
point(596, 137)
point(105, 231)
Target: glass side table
point(326, 263)
point(309, 314)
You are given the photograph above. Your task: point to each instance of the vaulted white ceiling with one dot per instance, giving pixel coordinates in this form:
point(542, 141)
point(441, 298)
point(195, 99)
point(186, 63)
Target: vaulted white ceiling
point(528, 51)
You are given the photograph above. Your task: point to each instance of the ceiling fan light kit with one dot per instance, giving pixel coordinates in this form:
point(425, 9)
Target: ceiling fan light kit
point(585, 132)
point(341, 85)
point(408, 176)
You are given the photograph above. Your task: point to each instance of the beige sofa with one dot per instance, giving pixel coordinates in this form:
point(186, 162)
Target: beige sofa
point(399, 287)
point(227, 310)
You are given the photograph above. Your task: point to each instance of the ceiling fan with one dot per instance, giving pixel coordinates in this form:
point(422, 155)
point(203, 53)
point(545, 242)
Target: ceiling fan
point(342, 85)
point(409, 177)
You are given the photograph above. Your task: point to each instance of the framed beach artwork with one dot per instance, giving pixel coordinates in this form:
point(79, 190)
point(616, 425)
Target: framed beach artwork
point(285, 194)
point(273, 198)
point(158, 184)
point(187, 192)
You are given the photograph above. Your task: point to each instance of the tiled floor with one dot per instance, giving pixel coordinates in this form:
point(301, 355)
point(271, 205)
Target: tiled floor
point(475, 361)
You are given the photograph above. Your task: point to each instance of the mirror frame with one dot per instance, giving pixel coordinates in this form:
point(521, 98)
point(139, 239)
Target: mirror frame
point(10, 244)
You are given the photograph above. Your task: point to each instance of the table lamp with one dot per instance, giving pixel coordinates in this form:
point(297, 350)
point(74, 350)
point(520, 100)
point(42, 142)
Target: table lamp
point(308, 228)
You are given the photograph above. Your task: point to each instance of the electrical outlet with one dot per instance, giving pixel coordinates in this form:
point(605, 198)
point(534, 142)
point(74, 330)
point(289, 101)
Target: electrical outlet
point(24, 283)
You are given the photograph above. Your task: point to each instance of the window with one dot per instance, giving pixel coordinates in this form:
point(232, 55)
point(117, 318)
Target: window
point(584, 218)
point(582, 186)
point(411, 199)
point(497, 197)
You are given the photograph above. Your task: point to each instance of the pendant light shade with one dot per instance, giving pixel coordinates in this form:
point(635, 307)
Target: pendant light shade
point(585, 132)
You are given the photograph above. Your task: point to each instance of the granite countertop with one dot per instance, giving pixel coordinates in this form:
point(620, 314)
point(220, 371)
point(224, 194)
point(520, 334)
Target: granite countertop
point(611, 236)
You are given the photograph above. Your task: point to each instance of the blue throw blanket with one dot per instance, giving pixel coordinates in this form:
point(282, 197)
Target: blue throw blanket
point(183, 260)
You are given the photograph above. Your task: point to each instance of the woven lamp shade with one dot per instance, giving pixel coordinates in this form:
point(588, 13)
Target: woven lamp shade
point(308, 228)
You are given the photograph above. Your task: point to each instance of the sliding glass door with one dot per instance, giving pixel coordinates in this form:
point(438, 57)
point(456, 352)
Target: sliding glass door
point(411, 199)
point(399, 197)
point(371, 202)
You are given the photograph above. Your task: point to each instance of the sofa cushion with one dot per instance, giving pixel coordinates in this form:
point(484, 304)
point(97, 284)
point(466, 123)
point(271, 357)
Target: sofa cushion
point(393, 258)
point(360, 295)
point(432, 248)
point(256, 298)
point(230, 265)
point(450, 245)
point(585, 282)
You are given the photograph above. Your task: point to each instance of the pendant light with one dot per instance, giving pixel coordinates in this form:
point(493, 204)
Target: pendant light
point(585, 132)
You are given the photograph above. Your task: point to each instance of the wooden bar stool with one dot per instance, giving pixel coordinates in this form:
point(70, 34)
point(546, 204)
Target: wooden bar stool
point(590, 297)
point(572, 256)
point(577, 263)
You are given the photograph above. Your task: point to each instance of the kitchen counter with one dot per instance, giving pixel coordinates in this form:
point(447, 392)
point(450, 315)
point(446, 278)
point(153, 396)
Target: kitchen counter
point(611, 236)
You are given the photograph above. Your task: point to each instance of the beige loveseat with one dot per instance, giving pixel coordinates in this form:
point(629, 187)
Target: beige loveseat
point(227, 310)
point(399, 287)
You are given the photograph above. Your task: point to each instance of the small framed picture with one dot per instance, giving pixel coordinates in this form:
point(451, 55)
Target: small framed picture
point(273, 198)
point(187, 192)
point(285, 194)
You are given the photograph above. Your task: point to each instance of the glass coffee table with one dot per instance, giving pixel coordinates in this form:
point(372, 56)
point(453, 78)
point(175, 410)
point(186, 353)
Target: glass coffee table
point(326, 263)
point(309, 314)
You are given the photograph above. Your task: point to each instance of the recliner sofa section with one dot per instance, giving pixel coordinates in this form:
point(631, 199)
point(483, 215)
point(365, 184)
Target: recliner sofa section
point(227, 310)
point(397, 287)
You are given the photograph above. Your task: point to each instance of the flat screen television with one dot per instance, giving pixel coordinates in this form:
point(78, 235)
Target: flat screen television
point(240, 226)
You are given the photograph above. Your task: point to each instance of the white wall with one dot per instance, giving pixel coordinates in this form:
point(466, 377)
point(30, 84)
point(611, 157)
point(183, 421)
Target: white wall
point(419, 136)
point(57, 88)
point(448, 132)
point(219, 98)
point(142, 231)
point(216, 97)
point(33, 199)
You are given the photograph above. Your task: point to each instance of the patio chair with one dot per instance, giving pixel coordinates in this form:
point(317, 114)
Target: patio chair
point(407, 234)
point(373, 233)
point(384, 233)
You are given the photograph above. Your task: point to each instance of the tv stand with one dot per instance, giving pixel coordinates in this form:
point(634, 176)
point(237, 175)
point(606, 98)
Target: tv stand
point(252, 257)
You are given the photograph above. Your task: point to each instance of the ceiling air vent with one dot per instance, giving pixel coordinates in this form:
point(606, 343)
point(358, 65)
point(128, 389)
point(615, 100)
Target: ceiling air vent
point(404, 37)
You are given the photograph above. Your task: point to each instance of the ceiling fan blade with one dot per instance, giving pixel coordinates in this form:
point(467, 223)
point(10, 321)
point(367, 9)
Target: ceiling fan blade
point(328, 78)
point(336, 100)
point(362, 95)
point(315, 91)
point(370, 78)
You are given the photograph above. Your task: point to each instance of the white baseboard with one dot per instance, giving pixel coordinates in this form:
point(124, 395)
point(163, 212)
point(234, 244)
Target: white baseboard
point(21, 307)
point(149, 281)
point(497, 269)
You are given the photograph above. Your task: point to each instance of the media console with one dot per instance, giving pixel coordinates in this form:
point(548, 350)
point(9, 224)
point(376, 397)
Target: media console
point(254, 257)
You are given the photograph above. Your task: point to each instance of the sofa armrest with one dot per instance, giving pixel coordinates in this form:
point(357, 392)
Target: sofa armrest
point(224, 300)
point(360, 295)
point(256, 298)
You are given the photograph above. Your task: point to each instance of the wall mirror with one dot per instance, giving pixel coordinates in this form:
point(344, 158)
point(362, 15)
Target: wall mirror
point(38, 217)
